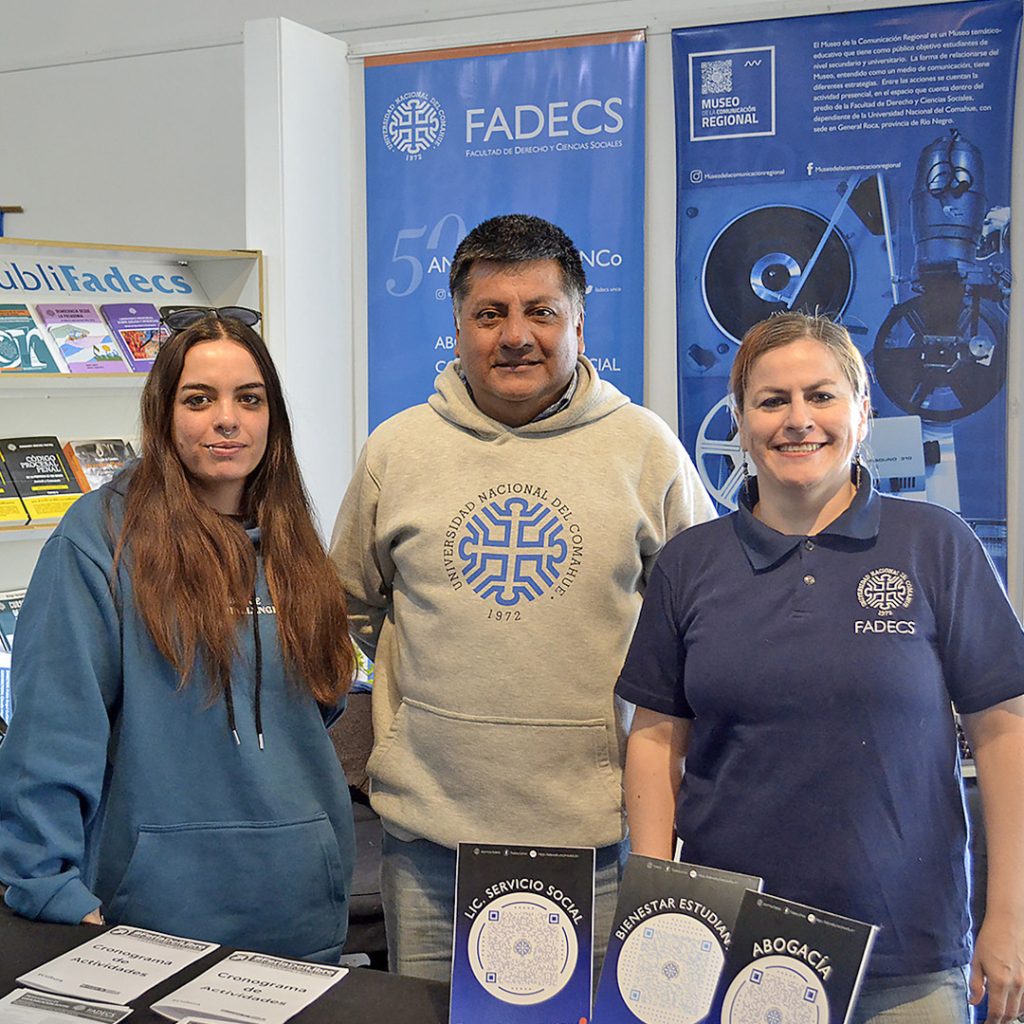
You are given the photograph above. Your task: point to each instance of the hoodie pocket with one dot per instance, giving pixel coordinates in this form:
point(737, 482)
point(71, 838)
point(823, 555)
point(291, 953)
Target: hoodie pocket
point(277, 887)
point(452, 777)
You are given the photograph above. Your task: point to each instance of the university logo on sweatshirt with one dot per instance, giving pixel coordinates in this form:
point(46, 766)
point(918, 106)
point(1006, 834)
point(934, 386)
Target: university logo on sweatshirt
point(513, 543)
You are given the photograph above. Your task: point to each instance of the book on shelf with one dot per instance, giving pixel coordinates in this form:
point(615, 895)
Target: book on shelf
point(41, 475)
point(12, 508)
point(96, 462)
point(82, 337)
point(788, 961)
point(6, 698)
point(138, 330)
point(24, 347)
point(10, 606)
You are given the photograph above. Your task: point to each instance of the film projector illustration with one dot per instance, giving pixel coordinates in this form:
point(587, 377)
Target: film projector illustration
point(937, 355)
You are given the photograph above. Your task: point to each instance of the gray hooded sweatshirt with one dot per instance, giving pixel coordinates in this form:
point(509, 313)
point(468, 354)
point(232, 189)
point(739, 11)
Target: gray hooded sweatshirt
point(495, 575)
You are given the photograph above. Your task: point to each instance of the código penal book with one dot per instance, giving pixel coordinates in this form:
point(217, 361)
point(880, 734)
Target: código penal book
point(791, 962)
point(41, 475)
point(83, 339)
point(12, 508)
point(672, 929)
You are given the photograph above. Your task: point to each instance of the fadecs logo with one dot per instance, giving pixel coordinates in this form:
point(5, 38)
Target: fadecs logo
point(413, 123)
point(558, 119)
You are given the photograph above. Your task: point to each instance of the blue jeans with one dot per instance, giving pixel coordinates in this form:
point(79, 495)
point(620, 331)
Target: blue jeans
point(417, 887)
point(939, 998)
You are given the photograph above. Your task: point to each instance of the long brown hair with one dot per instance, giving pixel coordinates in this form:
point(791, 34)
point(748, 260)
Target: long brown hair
point(193, 570)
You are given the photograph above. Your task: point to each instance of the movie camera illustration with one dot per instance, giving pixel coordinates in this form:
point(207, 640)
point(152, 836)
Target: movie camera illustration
point(934, 339)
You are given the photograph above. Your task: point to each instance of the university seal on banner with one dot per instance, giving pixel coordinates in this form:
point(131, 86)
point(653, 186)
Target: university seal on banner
point(413, 123)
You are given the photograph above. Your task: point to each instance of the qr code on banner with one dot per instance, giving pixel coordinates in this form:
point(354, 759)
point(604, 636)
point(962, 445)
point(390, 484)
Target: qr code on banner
point(716, 76)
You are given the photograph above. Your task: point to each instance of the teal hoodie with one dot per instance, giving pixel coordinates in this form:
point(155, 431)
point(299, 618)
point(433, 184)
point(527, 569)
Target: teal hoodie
point(121, 790)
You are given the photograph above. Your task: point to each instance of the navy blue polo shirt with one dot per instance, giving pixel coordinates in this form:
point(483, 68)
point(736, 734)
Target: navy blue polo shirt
point(818, 672)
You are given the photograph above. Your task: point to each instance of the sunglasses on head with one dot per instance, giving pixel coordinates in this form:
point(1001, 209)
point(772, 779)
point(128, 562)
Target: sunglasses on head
point(177, 318)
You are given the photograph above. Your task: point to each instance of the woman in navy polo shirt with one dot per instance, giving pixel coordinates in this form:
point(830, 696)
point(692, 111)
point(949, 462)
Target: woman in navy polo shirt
point(802, 654)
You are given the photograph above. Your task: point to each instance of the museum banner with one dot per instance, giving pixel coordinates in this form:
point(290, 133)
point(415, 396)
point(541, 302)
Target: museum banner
point(553, 128)
point(856, 165)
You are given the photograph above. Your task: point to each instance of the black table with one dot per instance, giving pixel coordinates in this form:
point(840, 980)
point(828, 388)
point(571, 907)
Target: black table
point(361, 997)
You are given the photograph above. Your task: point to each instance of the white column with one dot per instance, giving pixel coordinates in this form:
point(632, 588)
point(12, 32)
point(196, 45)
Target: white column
point(298, 202)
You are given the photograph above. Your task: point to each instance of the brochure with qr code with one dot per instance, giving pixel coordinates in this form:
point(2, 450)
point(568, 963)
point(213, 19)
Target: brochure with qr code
point(118, 965)
point(24, 1006)
point(523, 936)
point(250, 988)
point(672, 928)
point(791, 962)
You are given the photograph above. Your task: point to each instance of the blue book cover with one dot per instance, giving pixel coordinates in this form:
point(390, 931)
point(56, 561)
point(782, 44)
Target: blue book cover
point(790, 962)
point(5, 686)
point(672, 927)
point(523, 937)
point(10, 605)
point(23, 345)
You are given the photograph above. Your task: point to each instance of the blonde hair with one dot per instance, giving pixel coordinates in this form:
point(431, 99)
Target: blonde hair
point(782, 329)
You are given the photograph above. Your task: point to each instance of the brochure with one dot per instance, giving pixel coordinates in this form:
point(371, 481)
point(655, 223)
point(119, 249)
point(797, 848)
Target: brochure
point(523, 937)
point(250, 988)
point(118, 965)
point(791, 962)
point(672, 927)
point(23, 1006)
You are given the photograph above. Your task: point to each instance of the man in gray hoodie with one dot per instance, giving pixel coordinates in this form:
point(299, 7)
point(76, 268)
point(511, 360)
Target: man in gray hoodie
point(494, 544)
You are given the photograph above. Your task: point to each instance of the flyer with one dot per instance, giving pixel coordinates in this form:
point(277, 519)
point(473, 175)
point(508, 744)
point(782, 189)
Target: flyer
point(250, 988)
point(23, 1006)
point(523, 937)
point(672, 928)
point(118, 965)
point(791, 962)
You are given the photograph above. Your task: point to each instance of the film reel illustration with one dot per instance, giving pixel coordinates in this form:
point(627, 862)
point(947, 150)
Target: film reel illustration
point(776, 990)
point(668, 970)
point(719, 456)
point(775, 258)
point(522, 948)
point(942, 357)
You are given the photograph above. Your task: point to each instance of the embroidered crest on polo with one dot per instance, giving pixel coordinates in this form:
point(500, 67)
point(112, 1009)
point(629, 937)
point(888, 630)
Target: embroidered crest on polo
point(513, 544)
point(885, 590)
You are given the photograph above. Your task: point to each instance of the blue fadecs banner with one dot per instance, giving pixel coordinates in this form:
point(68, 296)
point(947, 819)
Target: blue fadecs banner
point(553, 128)
point(857, 165)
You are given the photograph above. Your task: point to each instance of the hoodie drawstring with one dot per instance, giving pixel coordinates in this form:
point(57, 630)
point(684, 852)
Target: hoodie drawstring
point(258, 649)
point(229, 699)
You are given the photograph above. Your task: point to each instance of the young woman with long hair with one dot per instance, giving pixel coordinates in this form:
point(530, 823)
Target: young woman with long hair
point(182, 645)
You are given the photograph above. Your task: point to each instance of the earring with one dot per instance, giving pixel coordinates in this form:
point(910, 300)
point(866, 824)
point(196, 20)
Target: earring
point(857, 465)
point(746, 475)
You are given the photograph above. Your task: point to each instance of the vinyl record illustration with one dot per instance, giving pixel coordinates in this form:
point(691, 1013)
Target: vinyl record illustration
point(772, 259)
point(942, 356)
